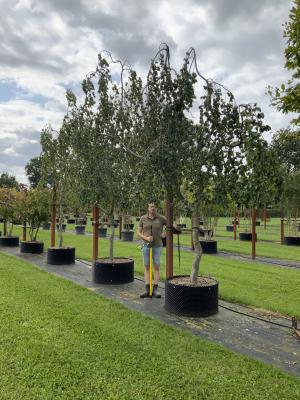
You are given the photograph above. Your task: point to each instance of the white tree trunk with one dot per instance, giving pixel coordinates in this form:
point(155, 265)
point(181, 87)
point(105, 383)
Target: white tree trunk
point(197, 249)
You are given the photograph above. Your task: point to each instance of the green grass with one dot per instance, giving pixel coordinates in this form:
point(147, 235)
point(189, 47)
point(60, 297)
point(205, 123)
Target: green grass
point(269, 287)
point(61, 341)
point(226, 243)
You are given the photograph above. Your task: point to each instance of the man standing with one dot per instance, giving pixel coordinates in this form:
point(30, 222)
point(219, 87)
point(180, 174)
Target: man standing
point(151, 230)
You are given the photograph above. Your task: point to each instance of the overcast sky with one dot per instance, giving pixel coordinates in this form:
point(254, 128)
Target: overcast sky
point(47, 46)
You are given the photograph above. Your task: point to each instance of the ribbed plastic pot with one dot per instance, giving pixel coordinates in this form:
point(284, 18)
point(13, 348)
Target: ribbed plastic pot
point(246, 236)
point(80, 229)
point(127, 236)
point(102, 232)
point(32, 247)
point(63, 227)
point(291, 240)
point(46, 226)
point(191, 301)
point(9, 241)
point(229, 228)
point(114, 272)
point(61, 256)
point(209, 246)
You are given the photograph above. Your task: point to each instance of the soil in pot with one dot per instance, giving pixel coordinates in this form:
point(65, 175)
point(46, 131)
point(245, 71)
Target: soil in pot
point(115, 272)
point(291, 240)
point(193, 300)
point(9, 241)
point(246, 236)
point(80, 229)
point(33, 247)
point(209, 246)
point(61, 255)
point(127, 236)
point(102, 232)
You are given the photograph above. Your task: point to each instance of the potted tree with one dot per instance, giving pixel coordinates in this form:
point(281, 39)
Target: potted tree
point(56, 160)
point(9, 200)
point(291, 202)
point(35, 211)
point(98, 125)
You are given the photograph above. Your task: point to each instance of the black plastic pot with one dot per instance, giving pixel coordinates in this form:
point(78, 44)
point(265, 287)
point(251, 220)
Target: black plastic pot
point(201, 223)
point(80, 229)
point(33, 247)
point(63, 227)
point(61, 256)
point(209, 246)
point(257, 223)
point(246, 236)
point(102, 232)
point(9, 241)
point(47, 226)
point(192, 301)
point(203, 231)
point(291, 240)
point(229, 228)
point(127, 236)
point(71, 221)
point(115, 272)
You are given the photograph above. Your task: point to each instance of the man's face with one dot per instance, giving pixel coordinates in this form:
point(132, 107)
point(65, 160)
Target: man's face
point(151, 208)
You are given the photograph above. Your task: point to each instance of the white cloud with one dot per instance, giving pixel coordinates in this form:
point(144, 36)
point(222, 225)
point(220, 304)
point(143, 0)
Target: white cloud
point(48, 46)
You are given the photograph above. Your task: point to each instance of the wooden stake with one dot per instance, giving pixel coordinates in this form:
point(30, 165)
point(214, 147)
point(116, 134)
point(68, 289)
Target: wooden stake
point(253, 233)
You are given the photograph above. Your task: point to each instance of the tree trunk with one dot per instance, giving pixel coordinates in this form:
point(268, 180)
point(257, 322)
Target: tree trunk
point(197, 249)
point(24, 231)
point(111, 239)
point(53, 219)
point(61, 218)
point(95, 231)
point(169, 249)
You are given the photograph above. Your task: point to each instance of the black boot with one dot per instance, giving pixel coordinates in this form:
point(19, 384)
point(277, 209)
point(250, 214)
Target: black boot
point(155, 292)
point(147, 293)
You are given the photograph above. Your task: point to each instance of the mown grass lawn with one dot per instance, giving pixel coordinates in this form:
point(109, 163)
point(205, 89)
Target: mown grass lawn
point(61, 341)
point(271, 249)
point(269, 287)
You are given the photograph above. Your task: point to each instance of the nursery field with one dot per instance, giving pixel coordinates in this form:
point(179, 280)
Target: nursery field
point(269, 287)
point(268, 244)
point(58, 347)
